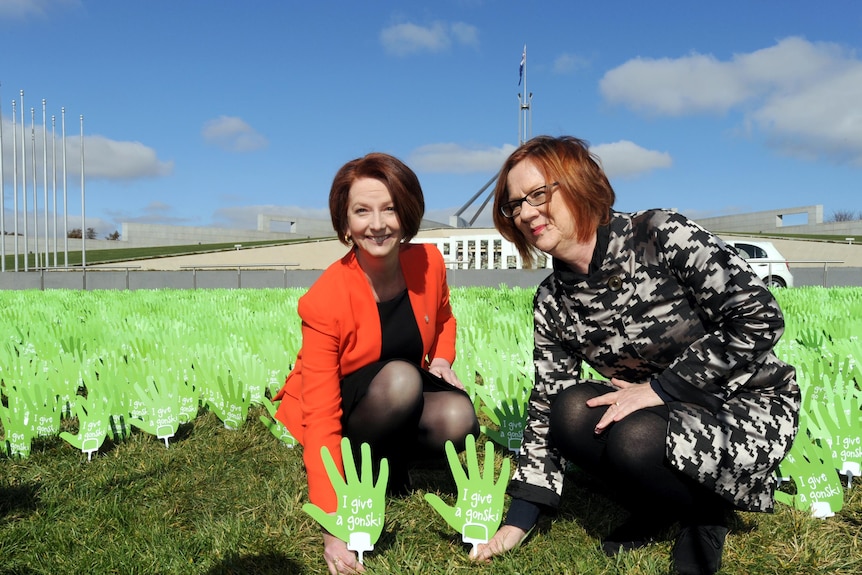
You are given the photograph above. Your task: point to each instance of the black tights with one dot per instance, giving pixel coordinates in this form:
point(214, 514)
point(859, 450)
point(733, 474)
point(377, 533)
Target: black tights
point(402, 423)
point(630, 457)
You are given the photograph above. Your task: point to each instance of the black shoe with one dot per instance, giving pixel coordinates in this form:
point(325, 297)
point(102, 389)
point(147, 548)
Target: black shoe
point(698, 549)
point(638, 531)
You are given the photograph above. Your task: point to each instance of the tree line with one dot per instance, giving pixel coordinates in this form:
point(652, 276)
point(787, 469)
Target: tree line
point(77, 233)
point(845, 216)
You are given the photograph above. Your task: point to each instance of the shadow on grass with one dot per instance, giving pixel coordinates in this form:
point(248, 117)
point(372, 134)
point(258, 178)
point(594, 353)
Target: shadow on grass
point(266, 564)
point(589, 502)
point(17, 498)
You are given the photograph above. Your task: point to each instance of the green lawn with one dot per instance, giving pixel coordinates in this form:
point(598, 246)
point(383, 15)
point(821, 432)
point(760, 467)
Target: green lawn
point(103, 256)
point(219, 501)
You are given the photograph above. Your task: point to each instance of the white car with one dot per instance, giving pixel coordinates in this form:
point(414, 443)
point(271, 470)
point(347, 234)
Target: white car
point(766, 261)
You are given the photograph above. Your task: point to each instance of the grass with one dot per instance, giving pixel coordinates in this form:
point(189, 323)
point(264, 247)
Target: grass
point(229, 502)
point(113, 255)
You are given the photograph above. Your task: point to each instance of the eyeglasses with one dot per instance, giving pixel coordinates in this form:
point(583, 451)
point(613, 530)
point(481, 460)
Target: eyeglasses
point(535, 198)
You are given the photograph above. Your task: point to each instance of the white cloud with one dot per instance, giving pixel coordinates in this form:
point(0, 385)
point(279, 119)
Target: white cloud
point(465, 34)
point(233, 135)
point(19, 9)
point(619, 159)
point(153, 213)
point(408, 38)
point(688, 85)
point(804, 97)
point(113, 160)
point(626, 159)
point(822, 119)
point(569, 63)
point(103, 158)
point(456, 159)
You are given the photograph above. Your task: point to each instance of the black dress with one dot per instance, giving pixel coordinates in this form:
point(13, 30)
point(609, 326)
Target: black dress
point(401, 341)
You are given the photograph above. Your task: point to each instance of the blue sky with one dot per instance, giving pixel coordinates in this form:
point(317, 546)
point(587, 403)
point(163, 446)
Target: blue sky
point(207, 113)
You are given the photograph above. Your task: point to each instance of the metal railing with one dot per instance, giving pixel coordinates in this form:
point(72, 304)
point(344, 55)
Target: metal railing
point(788, 262)
point(194, 269)
point(83, 271)
point(239, 268)
point(452, 263)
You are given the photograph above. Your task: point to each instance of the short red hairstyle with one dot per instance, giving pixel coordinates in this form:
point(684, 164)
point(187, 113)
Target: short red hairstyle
point(399, 179)
point(567, 160)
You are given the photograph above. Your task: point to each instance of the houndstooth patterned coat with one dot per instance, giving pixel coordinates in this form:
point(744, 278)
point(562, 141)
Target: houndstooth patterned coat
point(670, 301)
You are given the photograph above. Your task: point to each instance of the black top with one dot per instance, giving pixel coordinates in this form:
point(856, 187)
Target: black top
point(401, 337)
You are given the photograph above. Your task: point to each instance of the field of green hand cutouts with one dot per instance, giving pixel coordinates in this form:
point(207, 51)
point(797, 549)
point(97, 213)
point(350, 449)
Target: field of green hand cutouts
point(138, 437)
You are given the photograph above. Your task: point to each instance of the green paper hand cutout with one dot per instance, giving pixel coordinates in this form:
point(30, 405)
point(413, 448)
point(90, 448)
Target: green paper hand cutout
point(190, 401)
point(275, 382)
point(119, 426)
point(833, 406)
point(508, 411)
point(276, 427)
point(16, 425)
point(810, 337)
point(231, 403)
point(43, 409)
point(162, 414)
point(119, 379)
point(511, 417)
point(249, 370)
point(358, 521)
point(93, 413)
point(479, 508)
point(69, 379)
point(818, 488)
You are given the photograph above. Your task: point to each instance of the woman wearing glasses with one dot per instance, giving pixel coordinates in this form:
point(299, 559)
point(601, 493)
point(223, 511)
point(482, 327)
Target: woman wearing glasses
point(696, 411)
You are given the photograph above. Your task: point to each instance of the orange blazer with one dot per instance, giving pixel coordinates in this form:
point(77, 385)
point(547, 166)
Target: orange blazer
point(340, 334)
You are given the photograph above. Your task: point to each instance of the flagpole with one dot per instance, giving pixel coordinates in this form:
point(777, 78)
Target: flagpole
point(35, 191)
point(524, 99)
point(521, 94)
point(24, 182)
point(525, 104)
point(45, 176)
point(54, 178)
point(65, 195)
point(83, 204)
point(2, 196)
point(15, 181)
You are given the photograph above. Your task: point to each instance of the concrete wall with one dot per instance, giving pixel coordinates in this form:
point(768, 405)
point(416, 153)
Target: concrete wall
point(143, 235)
point(261, 279)
point(773, 221)
point(812, 253)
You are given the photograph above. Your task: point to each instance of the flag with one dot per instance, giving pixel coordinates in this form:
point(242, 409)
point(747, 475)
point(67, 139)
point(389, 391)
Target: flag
point(521, 67)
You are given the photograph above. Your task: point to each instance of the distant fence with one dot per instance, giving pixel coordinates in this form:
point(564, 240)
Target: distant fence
point(795, 271)
point(472, 261)
point(234, 277)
